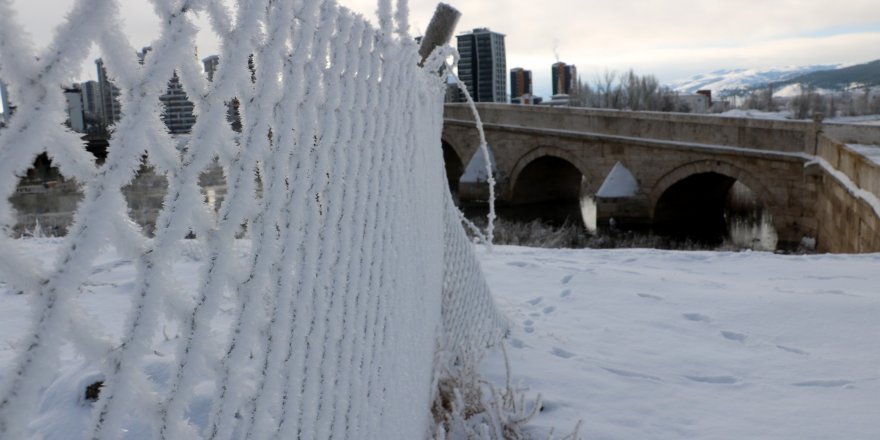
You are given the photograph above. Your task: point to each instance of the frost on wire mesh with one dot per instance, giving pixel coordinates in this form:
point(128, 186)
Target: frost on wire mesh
point(324, 322)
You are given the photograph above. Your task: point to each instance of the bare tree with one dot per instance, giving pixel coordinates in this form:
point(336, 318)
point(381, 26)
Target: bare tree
point(625, 91)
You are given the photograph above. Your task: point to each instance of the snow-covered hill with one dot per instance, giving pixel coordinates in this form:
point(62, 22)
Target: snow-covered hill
point(728, 80)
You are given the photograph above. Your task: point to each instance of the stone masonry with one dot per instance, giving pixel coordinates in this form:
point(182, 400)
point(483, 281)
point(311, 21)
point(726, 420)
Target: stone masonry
point(775, 159)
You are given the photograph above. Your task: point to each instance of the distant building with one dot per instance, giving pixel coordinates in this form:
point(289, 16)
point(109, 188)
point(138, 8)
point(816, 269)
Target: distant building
point(520, 83)
point(142, 55)
point(559, 99)
point(178, 114)
point(452, 91)
point(483, 65)
point(211, 64)
point(178, 109)
point(693, 103)
point(706, 92)
point(527, 99)
point(564, 78)
point(91, 98)
point(5, 103)
point(111, 110)
point(75, 110)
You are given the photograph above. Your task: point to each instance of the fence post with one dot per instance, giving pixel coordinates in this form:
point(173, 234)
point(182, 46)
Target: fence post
point(440, 30)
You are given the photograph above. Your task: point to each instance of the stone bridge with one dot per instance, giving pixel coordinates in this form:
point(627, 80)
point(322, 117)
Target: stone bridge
point(808, 175)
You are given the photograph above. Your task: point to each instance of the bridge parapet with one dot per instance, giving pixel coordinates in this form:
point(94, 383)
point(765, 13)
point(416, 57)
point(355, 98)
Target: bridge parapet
point(848, 202)
point(853, 133)
point(773, 135)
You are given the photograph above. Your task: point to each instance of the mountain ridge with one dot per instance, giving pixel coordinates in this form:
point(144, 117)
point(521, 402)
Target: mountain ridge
point(726, 82)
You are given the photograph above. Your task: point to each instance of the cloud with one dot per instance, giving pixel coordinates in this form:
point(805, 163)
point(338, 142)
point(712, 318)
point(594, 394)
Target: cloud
point(672, 38)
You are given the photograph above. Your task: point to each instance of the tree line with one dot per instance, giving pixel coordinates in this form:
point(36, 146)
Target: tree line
point(631, 91)
point(810, 102)
point(628, 91)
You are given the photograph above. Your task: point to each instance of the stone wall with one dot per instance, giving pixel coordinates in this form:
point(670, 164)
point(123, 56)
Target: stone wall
point(774, 135)
point(847, 222)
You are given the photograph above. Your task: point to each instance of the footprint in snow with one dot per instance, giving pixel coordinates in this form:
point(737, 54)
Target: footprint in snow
point(719, 380)
point(565, 293)
point(549, 309)
point(528, 322)
point(547, 406)
point(518, 264)
point(517, 343)
point(565, 354)
point(529, 329)
point(734, 336)
point(823, 383)
point(793, 350)
point(566, 279)
point(632, 374)
point(696, 317)
point(535, 301)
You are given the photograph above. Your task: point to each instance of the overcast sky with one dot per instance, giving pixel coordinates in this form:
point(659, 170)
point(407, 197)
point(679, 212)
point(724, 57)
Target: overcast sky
point(672, 39)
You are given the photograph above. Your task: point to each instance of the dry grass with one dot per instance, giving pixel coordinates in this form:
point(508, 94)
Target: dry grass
point(468, 407)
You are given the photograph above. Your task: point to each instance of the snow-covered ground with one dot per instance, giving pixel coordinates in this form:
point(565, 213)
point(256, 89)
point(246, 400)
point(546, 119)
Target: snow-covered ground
point(647, 344)
point(639, 344)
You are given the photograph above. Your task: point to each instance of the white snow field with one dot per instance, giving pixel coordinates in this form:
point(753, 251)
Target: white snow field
point(639, 344)
point(648, 344)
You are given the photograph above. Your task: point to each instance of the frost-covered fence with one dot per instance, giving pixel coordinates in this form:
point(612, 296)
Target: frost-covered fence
point(327, 327)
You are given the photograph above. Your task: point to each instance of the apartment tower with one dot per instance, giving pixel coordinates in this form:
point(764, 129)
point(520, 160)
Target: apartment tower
point(564, 77)
point(483, 65)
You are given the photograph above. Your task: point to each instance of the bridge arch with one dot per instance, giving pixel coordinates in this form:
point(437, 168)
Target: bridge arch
point(520, 172)
point(694, 195)
point(548, 183)
point(453, 164)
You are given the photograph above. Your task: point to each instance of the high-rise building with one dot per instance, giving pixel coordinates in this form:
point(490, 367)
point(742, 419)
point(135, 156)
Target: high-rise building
point(520, 82)
point(91, 98)
point(211, 64)
point(111, 110)
point(4, 102)
point(75, 114)
point(564, 77)
point(178, 109)
point(483, 65)
point(178, 114)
